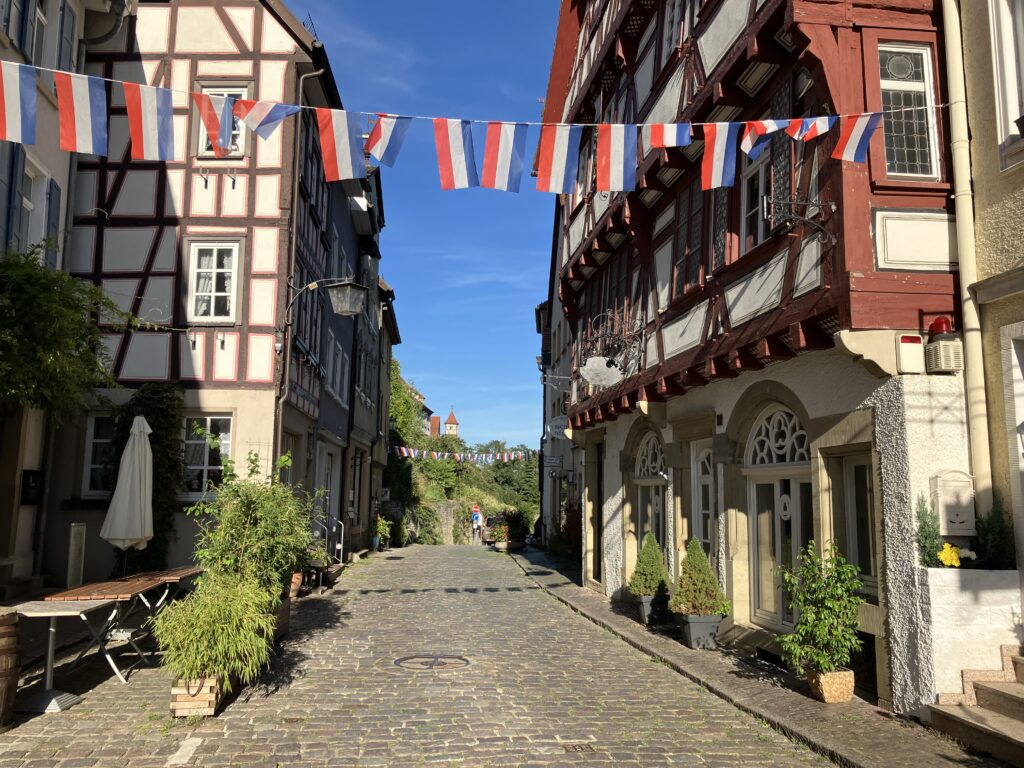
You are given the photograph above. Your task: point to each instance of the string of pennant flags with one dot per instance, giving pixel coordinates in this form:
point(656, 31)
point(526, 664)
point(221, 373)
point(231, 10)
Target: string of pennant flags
point(466, 458)
point(83, 110)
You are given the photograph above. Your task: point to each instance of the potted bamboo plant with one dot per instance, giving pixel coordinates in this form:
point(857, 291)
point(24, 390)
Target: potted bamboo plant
point(649, 582)
point(824, 593)
point(699, 604)
point(254, 533)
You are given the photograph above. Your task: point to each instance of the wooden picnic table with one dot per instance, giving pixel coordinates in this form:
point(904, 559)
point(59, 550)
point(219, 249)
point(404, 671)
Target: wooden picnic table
point(119, 589)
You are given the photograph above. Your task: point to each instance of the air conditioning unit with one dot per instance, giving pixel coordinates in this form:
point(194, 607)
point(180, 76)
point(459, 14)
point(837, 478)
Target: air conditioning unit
point(944, 356)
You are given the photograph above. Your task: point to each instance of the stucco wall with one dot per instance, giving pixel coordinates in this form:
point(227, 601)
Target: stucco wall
point(971, 613)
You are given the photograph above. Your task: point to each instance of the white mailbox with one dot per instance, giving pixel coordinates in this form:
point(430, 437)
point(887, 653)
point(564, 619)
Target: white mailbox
point(953, 502)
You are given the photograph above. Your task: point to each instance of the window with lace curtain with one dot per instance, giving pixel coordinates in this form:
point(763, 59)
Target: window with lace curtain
point(213, 269)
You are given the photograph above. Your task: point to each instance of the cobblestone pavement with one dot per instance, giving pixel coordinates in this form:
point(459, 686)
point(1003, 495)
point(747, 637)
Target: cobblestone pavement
point(540, 680)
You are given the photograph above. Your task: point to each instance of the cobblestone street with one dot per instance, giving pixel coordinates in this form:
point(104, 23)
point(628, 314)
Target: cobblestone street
point(540, 679)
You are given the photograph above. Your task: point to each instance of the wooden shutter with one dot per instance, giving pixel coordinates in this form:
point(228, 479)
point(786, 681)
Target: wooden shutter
point(68, 33)
point(14, 34)
point(5, 10)
point(52, 223)
point(15, 236)
point(28, 26)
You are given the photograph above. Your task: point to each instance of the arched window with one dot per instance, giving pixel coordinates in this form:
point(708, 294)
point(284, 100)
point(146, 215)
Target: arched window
point(779, 438)
point(703, 493)
point(650, 460)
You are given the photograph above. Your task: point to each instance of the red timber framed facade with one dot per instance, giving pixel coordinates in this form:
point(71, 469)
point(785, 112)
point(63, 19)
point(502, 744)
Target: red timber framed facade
point(773, 403)
point(200, 248)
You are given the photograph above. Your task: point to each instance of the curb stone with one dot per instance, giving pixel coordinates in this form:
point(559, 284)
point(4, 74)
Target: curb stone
point(914, 743)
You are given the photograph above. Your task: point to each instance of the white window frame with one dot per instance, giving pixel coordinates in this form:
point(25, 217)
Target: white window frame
point(869, 580)
point(1006, 25)
point(205, 148)
point(88, 492)
point(37, 56)
point(698, 450)
point(193, 261)
point(762, 169)
point(188, 438)
point(928, 88)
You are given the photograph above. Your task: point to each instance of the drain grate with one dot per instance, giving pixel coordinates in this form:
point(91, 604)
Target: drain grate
point(428, 661)
point(577, 748)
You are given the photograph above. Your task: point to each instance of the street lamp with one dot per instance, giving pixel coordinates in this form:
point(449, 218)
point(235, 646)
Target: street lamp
point(347, 296)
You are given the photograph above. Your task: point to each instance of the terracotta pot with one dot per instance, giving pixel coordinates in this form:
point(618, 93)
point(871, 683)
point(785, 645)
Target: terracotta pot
point(831, 687)
point(293, 590)
point(501, 546)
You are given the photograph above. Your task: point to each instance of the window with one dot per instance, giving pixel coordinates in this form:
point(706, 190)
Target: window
point(644, 77)
point(36, 45)
point(98, 479)
point(703, 510)
point(212, 271)
point(66, 54)
point(910, 133)
point(755, 184)
point(203, 462)
point(689, 218)
point(860, 519)
point(671, 28)
point(237, 147)
point(1007, 24)
point(720, 216)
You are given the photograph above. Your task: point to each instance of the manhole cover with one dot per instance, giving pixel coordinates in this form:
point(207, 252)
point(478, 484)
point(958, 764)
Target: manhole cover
point(578, 748)
point(425, 661)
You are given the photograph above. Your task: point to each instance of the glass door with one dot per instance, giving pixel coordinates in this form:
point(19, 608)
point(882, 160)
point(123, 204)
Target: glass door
point(783, 524)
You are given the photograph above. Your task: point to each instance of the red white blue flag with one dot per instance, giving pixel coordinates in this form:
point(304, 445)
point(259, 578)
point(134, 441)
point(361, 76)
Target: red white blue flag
point(150, 121)
point(809, 128)
point(386, 138)
point(558, 157)
point(718, 169)
point(17, 103)
point(616, 158)
point(82, 104)
point(341, 144)
point(456, 161)
point(262, 117)
point(218, 116)
point(503, 156)
point(855, 134)
point(662, 135)
point(757, 135)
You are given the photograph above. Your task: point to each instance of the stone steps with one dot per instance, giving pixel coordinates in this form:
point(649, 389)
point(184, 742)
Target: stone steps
point(982, 729)
point(989, 714)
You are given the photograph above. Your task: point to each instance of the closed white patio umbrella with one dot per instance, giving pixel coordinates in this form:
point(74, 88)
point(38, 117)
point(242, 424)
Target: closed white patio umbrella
point(129, 521)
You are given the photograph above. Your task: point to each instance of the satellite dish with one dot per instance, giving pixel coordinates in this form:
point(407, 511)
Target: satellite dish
point(602, 372)
point(557, 425)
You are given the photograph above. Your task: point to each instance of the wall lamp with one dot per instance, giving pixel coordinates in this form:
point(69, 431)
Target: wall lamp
point(347, 296)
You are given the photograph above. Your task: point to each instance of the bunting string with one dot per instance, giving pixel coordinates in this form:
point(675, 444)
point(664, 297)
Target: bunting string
point(463, 458)
point(345, 145)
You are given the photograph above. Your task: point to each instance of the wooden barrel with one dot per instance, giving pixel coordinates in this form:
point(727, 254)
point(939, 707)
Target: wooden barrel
point(9, 666)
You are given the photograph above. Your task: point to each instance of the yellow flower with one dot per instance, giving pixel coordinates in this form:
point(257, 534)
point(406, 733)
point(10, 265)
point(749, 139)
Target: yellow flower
point(950, 556)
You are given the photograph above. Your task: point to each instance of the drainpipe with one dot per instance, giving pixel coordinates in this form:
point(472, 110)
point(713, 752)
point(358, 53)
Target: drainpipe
point(963, 202)
point(284, 388)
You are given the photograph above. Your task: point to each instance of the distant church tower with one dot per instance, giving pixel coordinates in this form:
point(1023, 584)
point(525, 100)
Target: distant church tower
point(451, 424)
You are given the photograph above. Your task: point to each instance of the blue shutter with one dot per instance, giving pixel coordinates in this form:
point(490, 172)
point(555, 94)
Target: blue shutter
point(15, 235)
point(28, 27)
point(15, 32)
point(68, 33)
point(52, 224)
point(6, 152)
point(5, 13)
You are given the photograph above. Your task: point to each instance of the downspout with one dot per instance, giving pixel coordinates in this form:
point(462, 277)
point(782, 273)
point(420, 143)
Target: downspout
point(284, 388)
point(963, 202)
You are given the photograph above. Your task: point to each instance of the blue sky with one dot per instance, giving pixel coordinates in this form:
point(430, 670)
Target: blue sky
point(468, 266)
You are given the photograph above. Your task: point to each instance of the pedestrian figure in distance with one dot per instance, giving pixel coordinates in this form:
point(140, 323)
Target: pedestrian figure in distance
point(477, 521)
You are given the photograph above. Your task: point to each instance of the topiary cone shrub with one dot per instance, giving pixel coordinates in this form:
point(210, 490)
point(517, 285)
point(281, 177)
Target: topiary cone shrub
point(699, 602)
point(649, 582)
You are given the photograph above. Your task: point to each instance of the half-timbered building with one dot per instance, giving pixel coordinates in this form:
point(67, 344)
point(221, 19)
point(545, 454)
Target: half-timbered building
point(213, 253)
point(772, 333)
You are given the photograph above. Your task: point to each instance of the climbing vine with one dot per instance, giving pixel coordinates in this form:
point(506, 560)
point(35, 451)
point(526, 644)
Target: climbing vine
point(161, 406)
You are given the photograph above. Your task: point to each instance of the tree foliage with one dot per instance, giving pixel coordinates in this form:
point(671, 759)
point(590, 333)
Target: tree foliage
point(929, 540)
point(51, 351)
point(650, 576)
point(698, 592)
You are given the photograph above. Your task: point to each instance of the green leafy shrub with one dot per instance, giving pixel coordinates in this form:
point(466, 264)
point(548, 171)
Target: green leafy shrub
point(499, 531)
point(518, 525)
point(400, 532)
point(824, 595)
point(929, 541)
point(224, 628)
point(995, 545)
point(698, 592)
point(428, 526)
point(650, 577)
point(383, 528)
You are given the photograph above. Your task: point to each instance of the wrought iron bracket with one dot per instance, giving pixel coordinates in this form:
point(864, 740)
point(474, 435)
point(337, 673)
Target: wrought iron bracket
point(768, 204)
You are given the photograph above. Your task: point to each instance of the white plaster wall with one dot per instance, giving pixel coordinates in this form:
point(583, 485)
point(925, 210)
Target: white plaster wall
point(972, 613)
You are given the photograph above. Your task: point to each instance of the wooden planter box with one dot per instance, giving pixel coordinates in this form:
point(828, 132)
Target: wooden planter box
point(196, 697)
